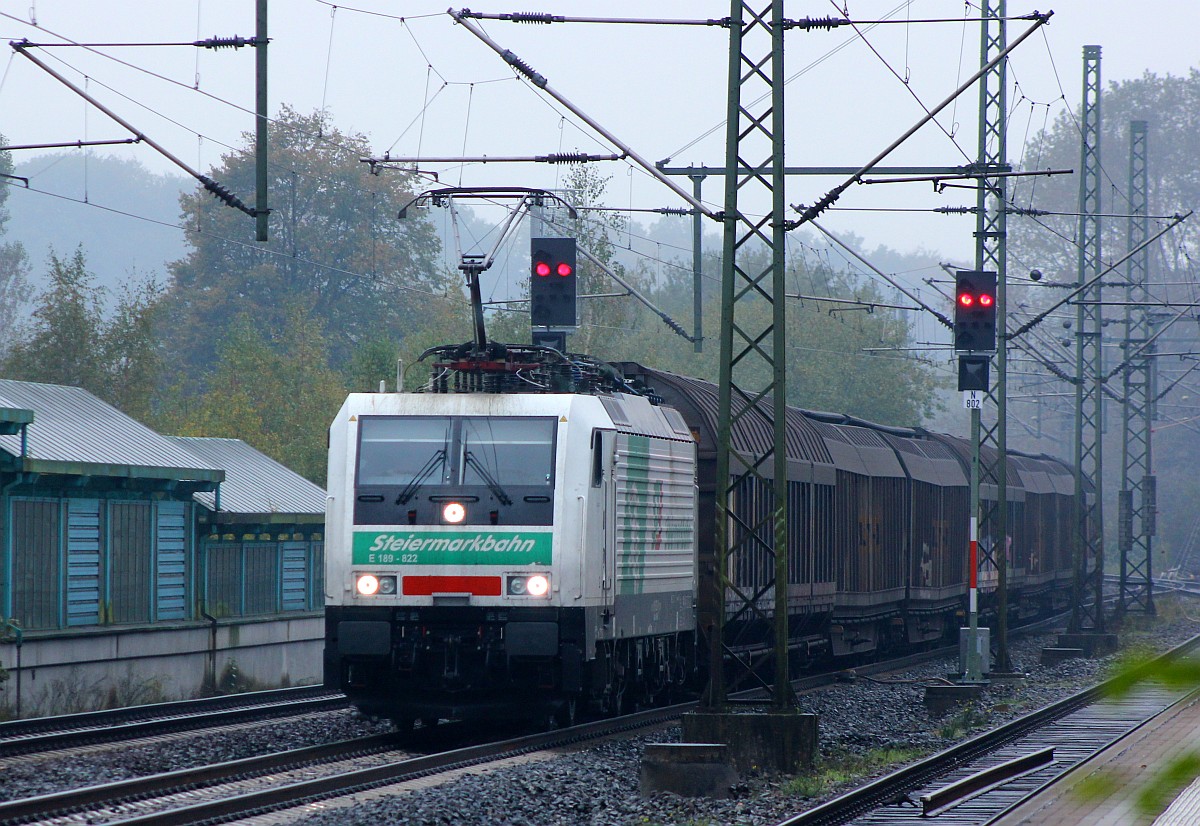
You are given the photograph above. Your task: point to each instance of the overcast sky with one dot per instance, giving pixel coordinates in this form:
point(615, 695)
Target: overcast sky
point(423, 85)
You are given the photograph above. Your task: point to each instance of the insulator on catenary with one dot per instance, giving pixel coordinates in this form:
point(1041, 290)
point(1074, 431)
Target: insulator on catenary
point(565, 157)
point(820, 206)
point(670, 322)
point(223, 194)
point(235, 42)
point(810, 23)
point(524, 68)
point(956, 210)
point(532, 17)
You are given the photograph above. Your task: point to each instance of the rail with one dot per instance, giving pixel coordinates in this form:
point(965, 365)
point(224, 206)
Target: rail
point(900, 783)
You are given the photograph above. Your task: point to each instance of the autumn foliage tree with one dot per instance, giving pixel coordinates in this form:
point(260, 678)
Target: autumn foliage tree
point(337, 249)
point(270, 385)
point(74, 338)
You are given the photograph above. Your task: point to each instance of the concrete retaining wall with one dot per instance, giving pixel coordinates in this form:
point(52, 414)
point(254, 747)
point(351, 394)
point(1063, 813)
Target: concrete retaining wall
point(94, 668)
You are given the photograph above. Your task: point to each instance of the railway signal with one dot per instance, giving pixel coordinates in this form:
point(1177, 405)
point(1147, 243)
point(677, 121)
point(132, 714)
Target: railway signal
point(973, 372)
point(552, 284)
point(974, 311)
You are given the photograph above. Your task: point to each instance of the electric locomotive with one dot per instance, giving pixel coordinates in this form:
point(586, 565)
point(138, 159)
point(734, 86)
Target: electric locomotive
point(517, 541)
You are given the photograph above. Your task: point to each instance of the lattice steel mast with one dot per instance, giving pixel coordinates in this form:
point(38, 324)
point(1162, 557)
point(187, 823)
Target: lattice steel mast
point(1087, 611)
point(1136, 503)
point(991, 233)
point(753, 335)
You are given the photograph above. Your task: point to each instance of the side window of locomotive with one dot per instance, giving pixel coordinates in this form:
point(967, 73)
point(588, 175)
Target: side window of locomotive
point(508, 452)
point(398, 452)
point(597, 458)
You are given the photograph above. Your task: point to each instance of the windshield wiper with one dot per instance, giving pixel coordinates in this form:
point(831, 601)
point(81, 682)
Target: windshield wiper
point(491, 483)
point(424, 473)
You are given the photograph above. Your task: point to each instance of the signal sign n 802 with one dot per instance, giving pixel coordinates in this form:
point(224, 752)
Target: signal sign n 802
point(974, 311)
point(552, 289)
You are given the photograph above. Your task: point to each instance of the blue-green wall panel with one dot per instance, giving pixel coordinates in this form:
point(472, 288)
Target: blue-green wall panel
point(83, 561)
point(295, 575)
point(170, 561)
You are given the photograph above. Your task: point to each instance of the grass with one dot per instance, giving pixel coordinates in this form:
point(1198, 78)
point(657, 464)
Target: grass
point(836, 770)
point(966, 720)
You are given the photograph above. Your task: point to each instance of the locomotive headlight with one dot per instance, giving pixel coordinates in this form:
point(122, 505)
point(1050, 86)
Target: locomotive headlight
point(368, 585)
point(529, 585)
point(454, 512)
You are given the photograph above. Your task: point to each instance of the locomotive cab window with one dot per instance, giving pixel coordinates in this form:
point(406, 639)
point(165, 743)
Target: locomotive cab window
point(597, 458)
point(410, 467)
point(518, 451)
point(398, 451)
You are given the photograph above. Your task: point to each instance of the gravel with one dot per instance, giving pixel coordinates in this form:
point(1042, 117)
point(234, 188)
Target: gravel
point(600, 785)
point(27, 775)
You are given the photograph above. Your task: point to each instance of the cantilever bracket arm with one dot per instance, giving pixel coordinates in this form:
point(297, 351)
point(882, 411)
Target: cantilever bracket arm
point(441, 195)
point(1038, 319)
point(809, 213)
point(218, 189)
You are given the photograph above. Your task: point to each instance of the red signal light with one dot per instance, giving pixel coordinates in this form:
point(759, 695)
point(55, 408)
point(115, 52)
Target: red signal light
point(975, 319)
point(564, 269)
point(541, 268)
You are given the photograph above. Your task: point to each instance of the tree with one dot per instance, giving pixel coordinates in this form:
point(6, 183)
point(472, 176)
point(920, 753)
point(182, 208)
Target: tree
point(61, 344)
point(838, 356)
point(828, 366)
point(68, 339)
point(1171, 107)
point(336, 248)
point(271, 386)
point(14, 265)
point(130, 349)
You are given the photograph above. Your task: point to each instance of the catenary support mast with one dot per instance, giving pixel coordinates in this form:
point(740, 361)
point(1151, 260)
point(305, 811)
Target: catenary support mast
point(753, 342)
point(991, 231)
point(1087, 609)
point(1135, 517)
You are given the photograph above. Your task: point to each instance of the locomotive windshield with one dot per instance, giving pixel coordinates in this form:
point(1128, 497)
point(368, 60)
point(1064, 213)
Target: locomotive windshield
point(509, 451)
point(399, 451)
point(439, 451)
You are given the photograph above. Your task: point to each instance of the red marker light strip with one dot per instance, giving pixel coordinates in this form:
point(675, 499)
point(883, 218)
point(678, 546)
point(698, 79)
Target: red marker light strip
point(424, 586)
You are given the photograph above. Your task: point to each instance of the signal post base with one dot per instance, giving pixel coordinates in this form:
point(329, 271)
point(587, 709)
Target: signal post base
point(779, 740)
point(940, 698)
point(1091, 643)
point(1056, 655)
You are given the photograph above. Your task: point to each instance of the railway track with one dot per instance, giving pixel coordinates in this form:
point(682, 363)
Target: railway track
point(287, 779)
point(975, 781)
point(256, 785)
point(116, 725)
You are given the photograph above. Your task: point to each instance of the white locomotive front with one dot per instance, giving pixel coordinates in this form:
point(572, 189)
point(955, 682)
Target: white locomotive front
point(508, 553)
